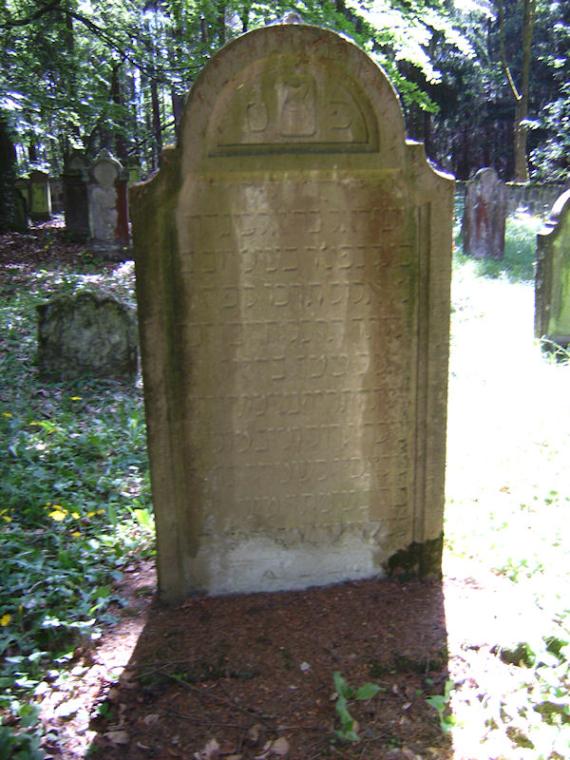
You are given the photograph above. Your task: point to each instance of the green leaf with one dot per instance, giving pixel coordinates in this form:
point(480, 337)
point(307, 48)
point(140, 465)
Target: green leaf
point(367, 691)
point(342, 687)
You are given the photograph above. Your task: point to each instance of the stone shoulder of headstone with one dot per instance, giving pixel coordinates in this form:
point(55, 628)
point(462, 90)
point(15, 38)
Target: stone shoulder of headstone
point(87, 334)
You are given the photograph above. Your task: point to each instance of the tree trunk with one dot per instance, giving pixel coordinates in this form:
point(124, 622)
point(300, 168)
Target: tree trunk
point(520, 95)
point(10, 219)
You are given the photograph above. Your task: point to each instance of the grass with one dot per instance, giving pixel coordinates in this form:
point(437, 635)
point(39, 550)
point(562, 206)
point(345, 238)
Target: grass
point(75, 506)
point(518, 264)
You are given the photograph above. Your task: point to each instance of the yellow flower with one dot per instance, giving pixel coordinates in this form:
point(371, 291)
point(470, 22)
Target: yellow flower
point(7, 518)
point(91, 514)
point(100, 512)
point(75, 398)
point(76, 534)
point(75, 515)
point(5, 620)
point(7, 414)
point(58, 514)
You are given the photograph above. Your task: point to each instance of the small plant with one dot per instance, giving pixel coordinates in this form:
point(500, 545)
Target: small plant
point(348, 731)
point(440, 703)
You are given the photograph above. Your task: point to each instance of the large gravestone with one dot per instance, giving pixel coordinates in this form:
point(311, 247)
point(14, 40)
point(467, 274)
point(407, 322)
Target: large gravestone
point(484, 216)
point(552, 287)
point(87, 335)
point(293, 268)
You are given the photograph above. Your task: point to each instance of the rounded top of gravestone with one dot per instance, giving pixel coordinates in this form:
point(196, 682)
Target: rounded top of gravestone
point(560, 205)
point(38, 176)
point(487, 176)
point(106, 169)
point(290, 95)
point(76, 162)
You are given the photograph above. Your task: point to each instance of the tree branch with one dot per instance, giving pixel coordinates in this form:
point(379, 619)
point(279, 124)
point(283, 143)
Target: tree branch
point(12, 23)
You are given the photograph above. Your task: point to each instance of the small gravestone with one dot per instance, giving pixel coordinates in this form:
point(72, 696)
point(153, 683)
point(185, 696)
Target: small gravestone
point(484, 216)
point(75, 200)
point(552, 287)
point(293, 260)
point(105, 173)
point(40, 196)
point(86, 335)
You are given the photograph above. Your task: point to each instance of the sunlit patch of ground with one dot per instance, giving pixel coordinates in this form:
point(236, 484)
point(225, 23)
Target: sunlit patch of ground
point(508, 499)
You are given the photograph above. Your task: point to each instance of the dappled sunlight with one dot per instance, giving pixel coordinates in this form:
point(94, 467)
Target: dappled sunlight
point(508, 496)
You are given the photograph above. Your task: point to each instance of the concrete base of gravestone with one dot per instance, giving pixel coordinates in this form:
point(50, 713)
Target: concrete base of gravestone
point(552, 285)
point(87, 335)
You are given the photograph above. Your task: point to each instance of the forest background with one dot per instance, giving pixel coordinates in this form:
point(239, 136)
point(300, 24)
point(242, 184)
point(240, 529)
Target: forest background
point(482, 82)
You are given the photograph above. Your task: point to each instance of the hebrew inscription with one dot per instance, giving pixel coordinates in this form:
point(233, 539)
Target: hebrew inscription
point(297, 322)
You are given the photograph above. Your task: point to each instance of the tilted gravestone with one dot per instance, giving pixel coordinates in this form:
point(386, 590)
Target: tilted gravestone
point(484, 216)
point(293, 268)
point(552, 286)
point(87, 335)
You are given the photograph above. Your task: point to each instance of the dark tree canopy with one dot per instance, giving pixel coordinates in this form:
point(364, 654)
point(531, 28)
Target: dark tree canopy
point(477, 82)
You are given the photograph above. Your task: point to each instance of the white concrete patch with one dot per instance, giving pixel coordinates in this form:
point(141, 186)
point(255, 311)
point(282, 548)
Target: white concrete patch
point(260, 564)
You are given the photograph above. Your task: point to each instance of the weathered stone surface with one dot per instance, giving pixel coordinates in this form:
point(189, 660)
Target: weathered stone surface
point(107, 207)
point(75, 200)
point(552, 286)
point(87, 335)
point(484, 216)
point(40, 196)
point(293, 267)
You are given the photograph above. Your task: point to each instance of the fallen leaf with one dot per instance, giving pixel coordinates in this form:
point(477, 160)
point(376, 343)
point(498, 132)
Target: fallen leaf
point(117, 737)
point(148, 720)
point(67, 709)
point(210, 752)
point(280, 747)
point(254, 733)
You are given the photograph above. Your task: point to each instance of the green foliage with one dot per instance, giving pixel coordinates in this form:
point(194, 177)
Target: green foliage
point(441, 703)
point(348, 731)
point(75, 508)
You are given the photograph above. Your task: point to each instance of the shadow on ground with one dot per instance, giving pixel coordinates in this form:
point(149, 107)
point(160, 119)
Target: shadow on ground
point(251, 676)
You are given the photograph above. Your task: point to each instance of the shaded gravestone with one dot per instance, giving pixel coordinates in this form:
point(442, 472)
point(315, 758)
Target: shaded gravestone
point(552, 286)
point(293, 268)
point(75, 198)
point(39, 196)
point(104, 205)
point(86, 335)
point(484, 216)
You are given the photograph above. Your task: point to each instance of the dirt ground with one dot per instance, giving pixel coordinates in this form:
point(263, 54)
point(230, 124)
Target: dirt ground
point(251, 676)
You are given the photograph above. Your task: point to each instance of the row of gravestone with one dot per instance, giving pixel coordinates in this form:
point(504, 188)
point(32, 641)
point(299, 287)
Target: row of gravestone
point(483, 232)
point(94, 201)
point(293, 264)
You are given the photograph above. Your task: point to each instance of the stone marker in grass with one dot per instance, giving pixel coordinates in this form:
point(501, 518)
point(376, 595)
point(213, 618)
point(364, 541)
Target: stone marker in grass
point(87, 335)
point(293, 267)
point(552, 291)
